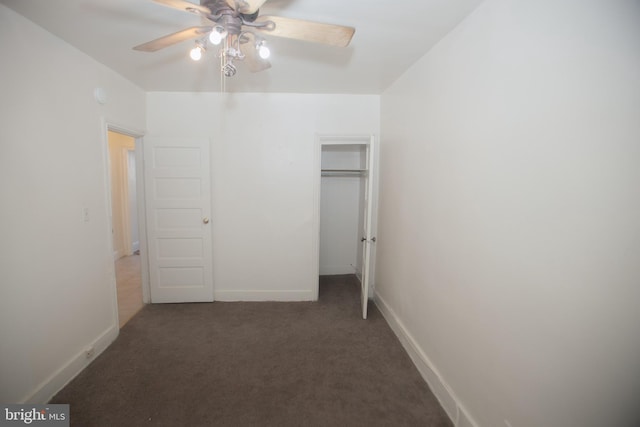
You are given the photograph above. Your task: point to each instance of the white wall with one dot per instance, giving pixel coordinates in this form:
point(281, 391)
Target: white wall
point(509, 222)
point(339, 225)
point(341, 213)
point(57, 289)
point(263, 169)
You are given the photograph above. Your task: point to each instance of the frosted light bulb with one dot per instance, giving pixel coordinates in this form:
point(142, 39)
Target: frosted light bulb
point(196, 53)
point(264, 52)
point(215, 37)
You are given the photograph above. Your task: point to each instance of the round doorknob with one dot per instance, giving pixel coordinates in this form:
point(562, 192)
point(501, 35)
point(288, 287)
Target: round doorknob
point(205, 220)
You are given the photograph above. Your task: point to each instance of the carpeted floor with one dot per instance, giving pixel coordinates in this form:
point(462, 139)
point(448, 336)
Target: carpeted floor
point(255, 364)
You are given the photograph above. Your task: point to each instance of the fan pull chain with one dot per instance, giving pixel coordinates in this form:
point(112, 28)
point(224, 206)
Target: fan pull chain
point(223, 59)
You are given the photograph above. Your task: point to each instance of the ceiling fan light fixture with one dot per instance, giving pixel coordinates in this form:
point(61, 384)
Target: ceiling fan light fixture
point(263, 50)
point(217, 35)
point(234, 24)
point(196, 53)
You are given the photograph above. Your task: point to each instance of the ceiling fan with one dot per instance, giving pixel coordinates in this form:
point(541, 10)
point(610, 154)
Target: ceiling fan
point(237, 26)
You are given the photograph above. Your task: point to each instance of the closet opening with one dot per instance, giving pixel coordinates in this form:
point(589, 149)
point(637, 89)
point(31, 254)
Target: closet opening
point(346, 189)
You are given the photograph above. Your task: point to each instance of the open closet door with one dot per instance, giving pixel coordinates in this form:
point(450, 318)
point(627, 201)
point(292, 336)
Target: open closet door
point(367, 238)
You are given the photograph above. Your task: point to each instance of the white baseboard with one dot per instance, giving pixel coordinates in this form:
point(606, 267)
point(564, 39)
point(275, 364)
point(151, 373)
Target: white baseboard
point(117, 255)
point(437, 384)
point(49, 387)
point(333, 270)
point(295, 295)
point(359, 276)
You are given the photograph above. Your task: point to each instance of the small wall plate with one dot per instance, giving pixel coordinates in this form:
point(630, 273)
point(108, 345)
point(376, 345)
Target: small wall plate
point(100, 95)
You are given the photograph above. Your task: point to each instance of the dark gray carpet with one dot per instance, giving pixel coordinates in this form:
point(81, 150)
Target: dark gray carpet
point(255, 364)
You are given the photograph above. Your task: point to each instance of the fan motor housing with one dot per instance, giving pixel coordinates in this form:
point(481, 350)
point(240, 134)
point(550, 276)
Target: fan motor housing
point(233, 24)
point(226, 16)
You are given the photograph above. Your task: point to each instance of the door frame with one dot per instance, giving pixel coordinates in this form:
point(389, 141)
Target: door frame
point(348, 139)
point(138, 136)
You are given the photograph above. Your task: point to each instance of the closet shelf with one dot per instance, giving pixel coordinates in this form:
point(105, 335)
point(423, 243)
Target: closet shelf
point(345, 172)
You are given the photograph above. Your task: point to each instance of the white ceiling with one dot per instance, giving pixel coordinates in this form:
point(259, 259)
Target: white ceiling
point(390, 36)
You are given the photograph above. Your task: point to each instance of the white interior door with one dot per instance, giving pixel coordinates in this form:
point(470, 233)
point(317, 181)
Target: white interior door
point(368, 239)
point(177, 191)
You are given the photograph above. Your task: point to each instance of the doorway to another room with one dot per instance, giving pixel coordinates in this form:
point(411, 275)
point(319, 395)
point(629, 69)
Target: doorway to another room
point(125, 225)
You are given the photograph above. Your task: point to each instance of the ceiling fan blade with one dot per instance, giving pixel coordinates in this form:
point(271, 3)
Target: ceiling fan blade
point(186, 6)
point(171, 39)
point(254, 62)
point(246, 7)
point(334, 35)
